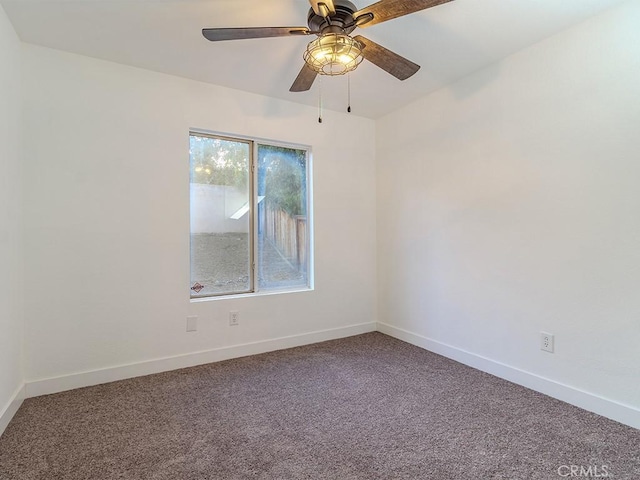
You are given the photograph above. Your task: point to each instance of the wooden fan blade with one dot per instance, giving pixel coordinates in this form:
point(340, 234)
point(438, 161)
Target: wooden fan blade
point(304, 80)
point(324, 8)
point(390, 62)
point(218, 34)
point(389, 9)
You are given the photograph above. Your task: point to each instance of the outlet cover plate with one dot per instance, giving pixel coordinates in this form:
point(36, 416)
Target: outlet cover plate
point(546, 342)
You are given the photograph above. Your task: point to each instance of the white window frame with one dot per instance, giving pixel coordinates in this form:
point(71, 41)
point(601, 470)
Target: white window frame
point(255, 290)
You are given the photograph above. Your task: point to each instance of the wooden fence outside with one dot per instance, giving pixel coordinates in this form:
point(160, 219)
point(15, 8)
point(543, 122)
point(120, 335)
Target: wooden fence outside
point(288, 234)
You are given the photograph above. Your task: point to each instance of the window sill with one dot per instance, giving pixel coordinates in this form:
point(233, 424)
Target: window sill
point(251, 294)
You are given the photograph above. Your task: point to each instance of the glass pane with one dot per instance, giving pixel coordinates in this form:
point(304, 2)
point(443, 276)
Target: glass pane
point(220, 216)
point(283, 256)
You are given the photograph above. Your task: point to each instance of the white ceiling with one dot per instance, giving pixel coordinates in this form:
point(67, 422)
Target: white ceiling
point(448, 41)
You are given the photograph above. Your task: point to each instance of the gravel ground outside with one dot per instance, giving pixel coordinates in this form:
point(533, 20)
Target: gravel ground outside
point(220, 262)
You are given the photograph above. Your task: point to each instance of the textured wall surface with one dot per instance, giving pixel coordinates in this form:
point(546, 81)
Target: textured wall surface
point(107, 215)
point(508, 205)
point(11, 319)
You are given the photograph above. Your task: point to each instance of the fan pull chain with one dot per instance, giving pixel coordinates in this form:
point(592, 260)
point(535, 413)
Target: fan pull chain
point(349, 92)
point(320, 100)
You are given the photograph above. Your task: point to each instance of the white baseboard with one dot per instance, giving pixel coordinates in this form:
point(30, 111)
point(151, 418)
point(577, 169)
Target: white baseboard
point(11, 408)
point(619, 412)
point(588, 401)
point(47, 386)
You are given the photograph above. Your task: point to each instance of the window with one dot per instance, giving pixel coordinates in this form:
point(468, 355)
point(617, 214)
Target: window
point(250, 225)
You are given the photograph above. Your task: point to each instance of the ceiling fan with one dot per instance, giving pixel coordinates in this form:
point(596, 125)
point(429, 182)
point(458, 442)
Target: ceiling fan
point(335, 51)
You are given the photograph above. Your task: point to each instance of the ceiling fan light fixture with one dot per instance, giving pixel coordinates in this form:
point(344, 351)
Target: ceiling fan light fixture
point(333, 54)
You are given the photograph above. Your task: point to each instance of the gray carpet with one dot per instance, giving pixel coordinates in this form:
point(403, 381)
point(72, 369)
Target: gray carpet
point(365, 407)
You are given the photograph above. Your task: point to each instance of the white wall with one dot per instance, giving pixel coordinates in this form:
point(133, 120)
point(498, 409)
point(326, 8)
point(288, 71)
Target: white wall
point(11, 374)
point(509, 204)
point(107, 217)
point(212, 207)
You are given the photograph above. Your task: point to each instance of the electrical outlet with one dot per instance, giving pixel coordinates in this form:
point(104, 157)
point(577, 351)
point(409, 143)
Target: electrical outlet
point(234, 319)
point(192, 324)
point(546, 342)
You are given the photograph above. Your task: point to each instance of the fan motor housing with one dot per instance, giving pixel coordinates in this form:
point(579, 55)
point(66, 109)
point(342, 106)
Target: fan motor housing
point(339, 22)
